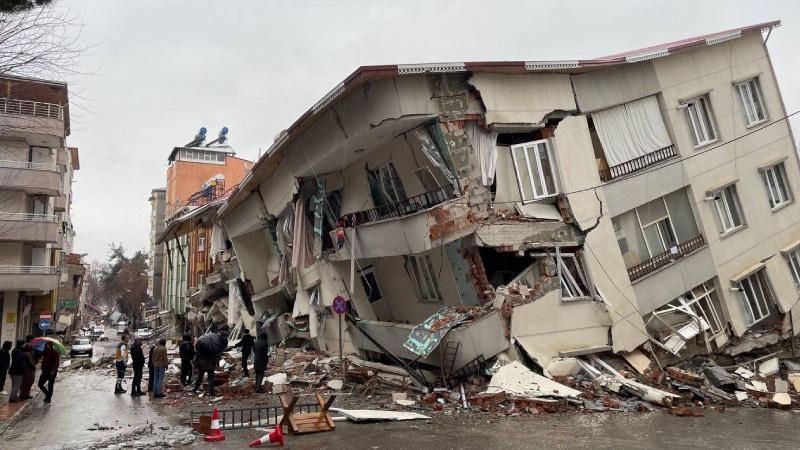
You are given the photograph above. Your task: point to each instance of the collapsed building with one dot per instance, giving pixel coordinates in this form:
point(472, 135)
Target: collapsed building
point(537, 209)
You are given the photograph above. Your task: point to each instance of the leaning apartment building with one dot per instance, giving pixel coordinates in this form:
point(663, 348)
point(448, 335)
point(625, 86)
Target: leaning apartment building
point(36, 232)
point(562, 207)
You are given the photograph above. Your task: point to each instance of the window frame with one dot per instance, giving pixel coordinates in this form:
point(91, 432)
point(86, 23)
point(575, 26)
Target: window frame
point(548, 152)
point(745, 89)
point(370, 270)
point(761, 304)
point(201, 243)
point(393, 178)
point(668, 218)
point(776, 173)
point(793, 261)
point(721, 198)
point(422, 267)
point(568, 283)
point(693, 116)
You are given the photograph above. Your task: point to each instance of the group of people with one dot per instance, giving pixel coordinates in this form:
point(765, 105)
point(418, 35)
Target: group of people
point(194, 365)
point(20, 365)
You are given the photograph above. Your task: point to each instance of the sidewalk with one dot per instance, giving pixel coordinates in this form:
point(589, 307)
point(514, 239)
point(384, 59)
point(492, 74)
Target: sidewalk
point(10, 412)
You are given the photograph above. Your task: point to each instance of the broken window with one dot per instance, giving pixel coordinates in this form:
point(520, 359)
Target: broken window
point(756, 296)
point(427, 179)
point(574, 285)
point(752, 101)
point(391, 186)
point(729, 211)
point(425, 278)
point(793, 259)
point(532, 164)
point(701, 120)
point(314, 298)
point(656, 224)
point(689, 315)
point(370, 284)
point(777, 186)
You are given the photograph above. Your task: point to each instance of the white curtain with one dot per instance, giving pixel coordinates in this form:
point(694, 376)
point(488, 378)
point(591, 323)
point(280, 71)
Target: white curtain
point(631, 130)
point(485, 145)
point(217, 240)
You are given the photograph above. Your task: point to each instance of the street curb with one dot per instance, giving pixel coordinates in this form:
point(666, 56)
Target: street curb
point(12, 419)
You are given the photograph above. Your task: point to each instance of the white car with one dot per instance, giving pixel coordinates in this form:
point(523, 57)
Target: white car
point(144, 333)
point(81, 346)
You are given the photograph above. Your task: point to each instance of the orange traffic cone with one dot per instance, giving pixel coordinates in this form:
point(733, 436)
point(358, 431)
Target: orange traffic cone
point(215, 433)
point(276, 437)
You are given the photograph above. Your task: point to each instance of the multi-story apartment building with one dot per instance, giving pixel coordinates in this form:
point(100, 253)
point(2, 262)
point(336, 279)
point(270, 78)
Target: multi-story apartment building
point(36, 171)
point(197, 174)
point(158, 203)
point(584, 205)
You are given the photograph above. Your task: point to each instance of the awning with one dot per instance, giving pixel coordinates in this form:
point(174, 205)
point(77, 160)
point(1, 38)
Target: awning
point(791, 246)
point(747, 272)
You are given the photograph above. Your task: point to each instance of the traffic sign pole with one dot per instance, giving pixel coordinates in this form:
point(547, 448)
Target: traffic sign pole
point(340, 308)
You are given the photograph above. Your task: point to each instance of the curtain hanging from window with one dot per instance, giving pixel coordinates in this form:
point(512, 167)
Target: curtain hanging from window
point(485, 145)
point(631, 130)
point(303, 238)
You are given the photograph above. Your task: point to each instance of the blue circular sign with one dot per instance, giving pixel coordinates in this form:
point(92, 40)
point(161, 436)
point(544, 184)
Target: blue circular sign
point(339, 305)
point(44, 324)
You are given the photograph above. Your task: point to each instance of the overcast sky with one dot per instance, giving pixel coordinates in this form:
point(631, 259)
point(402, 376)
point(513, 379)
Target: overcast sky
point(162, 69)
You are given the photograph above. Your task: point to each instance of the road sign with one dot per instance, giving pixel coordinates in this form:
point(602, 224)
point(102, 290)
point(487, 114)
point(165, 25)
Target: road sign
point(339, 305)
point(44, 324)
point(45, 315)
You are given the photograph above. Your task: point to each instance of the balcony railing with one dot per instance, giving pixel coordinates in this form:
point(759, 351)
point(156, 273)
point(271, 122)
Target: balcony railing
point(28, 217)
point(31, 108)
point(637, 164)
point(666, 258)
point(401, 208)
point(29, 165)
point(39, 270)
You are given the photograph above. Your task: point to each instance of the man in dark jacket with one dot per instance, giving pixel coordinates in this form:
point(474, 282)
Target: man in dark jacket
point(17, 370)
point(137, 354)
point(260, 359)
point(186, 352)
point(5, 363)
point(204, 365)
point(151, 371)
point(50, 362)
point(246, 343)
point(29, 372)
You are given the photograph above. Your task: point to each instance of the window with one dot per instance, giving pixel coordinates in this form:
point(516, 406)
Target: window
point(701, 120)
point(777, 185)
point(201, 243)
point(425, 278)
point(793, 259)
point(314, 298)
point(573, 282)
point(728, 208)
point(534, 171)
point(390, 182)
point(370, 284)
point(657, 229)
point(426, 178)
point(702, 300)
point(755, 295)
point(752, 101)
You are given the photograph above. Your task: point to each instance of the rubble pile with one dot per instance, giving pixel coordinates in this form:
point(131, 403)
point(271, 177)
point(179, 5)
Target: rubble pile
point(142, 437)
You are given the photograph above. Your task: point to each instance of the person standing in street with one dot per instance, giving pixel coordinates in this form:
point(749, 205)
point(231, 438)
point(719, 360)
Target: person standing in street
point(204, 365)
point(50, 362)
point(246, 343)
point(160, 363)
point(29, 372)
point(260, 359)
point(16, 371)
point(121, 362)
point(186, 352)
point(137, 355)
point(5, 363)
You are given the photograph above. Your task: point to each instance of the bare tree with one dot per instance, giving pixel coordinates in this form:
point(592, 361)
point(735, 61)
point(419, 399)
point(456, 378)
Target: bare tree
point(39, 42)
point(11, 6)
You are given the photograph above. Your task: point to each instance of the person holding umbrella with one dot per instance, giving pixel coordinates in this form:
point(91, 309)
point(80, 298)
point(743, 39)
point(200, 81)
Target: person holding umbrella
point(50, 362)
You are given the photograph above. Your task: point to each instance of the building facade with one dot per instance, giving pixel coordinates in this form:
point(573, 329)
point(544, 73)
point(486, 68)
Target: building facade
point(552, 208)
point(36, 170)
point(158, 203)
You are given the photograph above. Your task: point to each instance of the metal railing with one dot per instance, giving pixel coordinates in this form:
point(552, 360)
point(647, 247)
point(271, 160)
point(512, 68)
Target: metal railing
point(256, 416)
point(666, 258)
point(637, 163)
point(41, 270)
point(28, 217)
point(29, 165)
point(31, 108)
point(401, 208)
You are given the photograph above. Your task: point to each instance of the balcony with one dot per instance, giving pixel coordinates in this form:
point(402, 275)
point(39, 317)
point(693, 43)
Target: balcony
point(28, 278)
point(21, 227)
point(399, 209)
point(60, 203)
point(25, 117)
point(30, 177)
point(637, 164)
point(666, 258)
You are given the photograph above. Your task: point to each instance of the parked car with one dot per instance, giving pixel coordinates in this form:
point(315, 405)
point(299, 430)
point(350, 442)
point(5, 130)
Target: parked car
point(144, 333)
point(81, 346)
point(122, 329)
